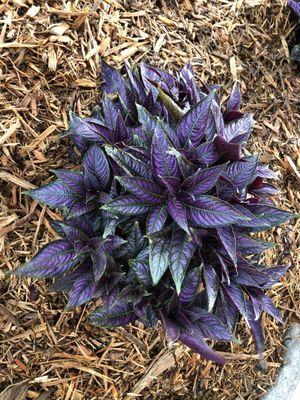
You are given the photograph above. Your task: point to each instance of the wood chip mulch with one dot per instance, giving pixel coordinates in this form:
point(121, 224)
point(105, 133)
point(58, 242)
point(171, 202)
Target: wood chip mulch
point(49, 64)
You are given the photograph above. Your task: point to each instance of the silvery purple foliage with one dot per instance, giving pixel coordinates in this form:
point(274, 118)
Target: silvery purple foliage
point(295, 51)
point(294, 5)
point(165, 204)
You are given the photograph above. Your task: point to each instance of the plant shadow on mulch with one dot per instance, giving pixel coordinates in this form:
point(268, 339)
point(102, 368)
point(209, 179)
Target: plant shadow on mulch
point(49, 64)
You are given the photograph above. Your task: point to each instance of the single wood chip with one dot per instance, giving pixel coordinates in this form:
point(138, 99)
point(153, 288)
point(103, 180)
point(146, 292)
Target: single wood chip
point(75, 365)
point(164, 362)
point(253, 3)
point(15, 45)
point(7, 220)
point(45, 395)
point(10, 131)
point(8, 315)
point(6, 176)
point(292, 167)
point(15, 392)
point(19, 223)
point(27, 334)
point(33, 11)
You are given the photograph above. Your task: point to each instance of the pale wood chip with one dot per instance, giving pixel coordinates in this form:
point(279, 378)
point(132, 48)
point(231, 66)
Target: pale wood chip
point(164, 362)
point(21, 182)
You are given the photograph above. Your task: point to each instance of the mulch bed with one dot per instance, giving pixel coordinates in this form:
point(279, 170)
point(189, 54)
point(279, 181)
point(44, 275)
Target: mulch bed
point(49, 64)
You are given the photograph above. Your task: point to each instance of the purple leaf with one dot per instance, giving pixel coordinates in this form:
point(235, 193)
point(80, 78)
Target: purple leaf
point(202, 180)
point(80, 207)
point(142, 271)
point(152, 105)
point(177, 211)
point(84, 130)
point(270, 215)
point(163, 78)
point(241, 139)
point(211, 129)
point(187, 76)
point(127, 205)
point(241, 173)
point(246, 245)
point(226, 311)
point(128, 105)
point(207, 153)
point(110, 113)
point(229, 151)
point(82, 290)
point(252, 220)
point(264, 171)
point(135, 241)
point(136, 85)
point(53, 259)
point(144, 189)
point(235, 295)
point(195, 342)
point(212, 285)
point(65, 283)
point(181, 252)
point(171, 183)
point(130, 164)
point(92, 130)
point(150, 124)
point(147, 120)
point(96, 168)
point(171, 327)
point(80, 142)
point(82, 224)
point(192, 126)
point(121, 133)
point(269, 308)
point(113, 80)
point(295, 6)
point(146, 314)
point(211, 326)
point(225, 190)
point(274, 274)
point(189, 286)
point(72, 179)
point(109, 298)
point(218, 118)
point(255, 295)
point(159, 258)
point(119, 315)
point(99, 263)
point(263, 191)
point(234, 101)
point(210, 212)
point(72, 233)
point(164, 164)
point(75, 126)
point(239, 128)
point(112, 242)
point(251, 277)
point(228, 240)
point(186, 167)
point(54, 194)
point(156, 219)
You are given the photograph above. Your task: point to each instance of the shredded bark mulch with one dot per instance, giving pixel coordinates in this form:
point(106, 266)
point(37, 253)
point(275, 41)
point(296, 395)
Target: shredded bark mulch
point(49, 64)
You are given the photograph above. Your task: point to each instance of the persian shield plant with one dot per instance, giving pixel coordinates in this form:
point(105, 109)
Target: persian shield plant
point(159, 222)
point(295, 6)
